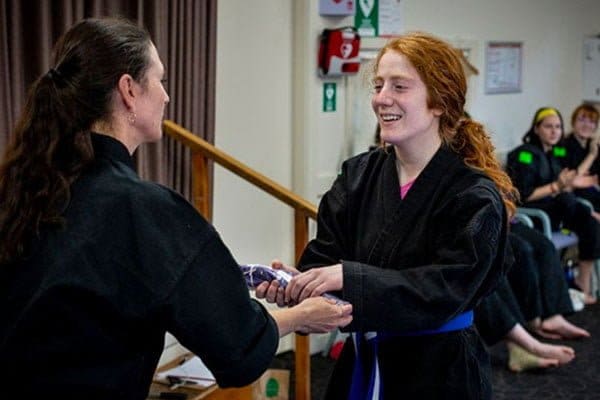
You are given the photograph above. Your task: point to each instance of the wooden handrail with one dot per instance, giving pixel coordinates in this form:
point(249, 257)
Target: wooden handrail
point(303, 209)
point(225, 160)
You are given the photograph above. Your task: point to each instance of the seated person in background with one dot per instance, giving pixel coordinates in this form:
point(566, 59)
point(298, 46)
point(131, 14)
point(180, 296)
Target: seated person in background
point(536, 172)
point(97, 265)
point(582, 149)
point(538, 282)
point(498, 317)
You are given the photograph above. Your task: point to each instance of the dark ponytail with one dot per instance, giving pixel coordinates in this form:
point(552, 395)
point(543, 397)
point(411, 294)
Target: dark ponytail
point(51, 144)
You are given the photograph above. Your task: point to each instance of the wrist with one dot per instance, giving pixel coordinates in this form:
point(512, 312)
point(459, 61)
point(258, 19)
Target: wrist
point(299, 317)
point(287, 320)
point(554, 188)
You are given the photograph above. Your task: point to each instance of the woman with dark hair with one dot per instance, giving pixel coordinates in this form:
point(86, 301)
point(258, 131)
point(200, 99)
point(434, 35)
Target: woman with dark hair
point(414, 235)
point(535, 169)
point(582, 149)
point(97, 265)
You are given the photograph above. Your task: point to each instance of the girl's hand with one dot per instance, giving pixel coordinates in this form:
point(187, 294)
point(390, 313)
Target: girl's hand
point(584, 181)
point(272, 291)
point(314, 282)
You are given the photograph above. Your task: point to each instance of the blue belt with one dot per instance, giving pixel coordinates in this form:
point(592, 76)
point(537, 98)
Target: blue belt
point(362, 390)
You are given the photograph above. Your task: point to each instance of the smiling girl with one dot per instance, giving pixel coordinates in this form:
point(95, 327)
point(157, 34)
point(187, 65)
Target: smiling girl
point(414, 235)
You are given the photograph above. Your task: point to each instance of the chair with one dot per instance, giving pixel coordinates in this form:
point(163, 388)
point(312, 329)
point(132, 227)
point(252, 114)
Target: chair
point(562, 238)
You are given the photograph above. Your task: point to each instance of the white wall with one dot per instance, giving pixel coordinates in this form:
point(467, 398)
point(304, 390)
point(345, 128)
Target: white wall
point(552, 33)
point(253, 124)
point(269, 97)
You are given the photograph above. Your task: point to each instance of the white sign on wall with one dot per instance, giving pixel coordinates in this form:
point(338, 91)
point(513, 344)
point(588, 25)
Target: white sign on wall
point(503, 62)
point(336, 7)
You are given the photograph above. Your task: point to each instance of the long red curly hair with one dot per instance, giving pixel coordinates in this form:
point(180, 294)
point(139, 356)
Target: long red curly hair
point(440, 68)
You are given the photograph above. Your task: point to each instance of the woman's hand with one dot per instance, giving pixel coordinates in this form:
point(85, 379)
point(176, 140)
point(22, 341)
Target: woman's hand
point(565, 179)
point(569, 179)
point(584, 181)
point(321, 315)
point(314, 282)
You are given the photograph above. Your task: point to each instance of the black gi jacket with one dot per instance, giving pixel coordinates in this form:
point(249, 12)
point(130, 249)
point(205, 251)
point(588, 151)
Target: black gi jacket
point(575, 155)
point(413, 264)
point(84, 316)
point(529, 167)
point(534, 287)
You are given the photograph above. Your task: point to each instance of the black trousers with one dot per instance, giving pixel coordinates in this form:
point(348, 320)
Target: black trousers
point(565, 210)
point(537, 278)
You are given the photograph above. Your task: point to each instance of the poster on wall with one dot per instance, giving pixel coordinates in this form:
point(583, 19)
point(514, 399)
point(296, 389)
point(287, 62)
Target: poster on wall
point(379, 17)
point(503, 61)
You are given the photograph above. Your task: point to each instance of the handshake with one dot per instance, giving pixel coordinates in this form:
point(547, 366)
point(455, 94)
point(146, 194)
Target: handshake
point(256, 274)
point(306, 293)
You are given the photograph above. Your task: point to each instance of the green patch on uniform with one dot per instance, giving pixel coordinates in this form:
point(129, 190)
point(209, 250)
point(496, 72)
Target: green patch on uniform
point(559, 151)
point(525, 157)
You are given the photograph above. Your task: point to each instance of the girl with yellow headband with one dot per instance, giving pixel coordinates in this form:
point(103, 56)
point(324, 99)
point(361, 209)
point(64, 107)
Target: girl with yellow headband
point(535, 168)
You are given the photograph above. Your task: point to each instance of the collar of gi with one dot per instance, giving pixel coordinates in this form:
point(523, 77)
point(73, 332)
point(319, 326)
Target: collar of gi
point(110, 147)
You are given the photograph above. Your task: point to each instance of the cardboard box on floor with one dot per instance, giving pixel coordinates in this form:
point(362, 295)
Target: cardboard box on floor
point(274, 384)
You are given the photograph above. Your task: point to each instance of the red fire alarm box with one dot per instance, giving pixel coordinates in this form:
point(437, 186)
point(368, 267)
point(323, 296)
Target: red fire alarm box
point(338, 52)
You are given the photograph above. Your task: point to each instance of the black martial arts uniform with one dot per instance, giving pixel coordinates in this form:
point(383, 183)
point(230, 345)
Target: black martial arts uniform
point(575, 155)
point(413, 264)
point(537, 277)
point(529, 167)
point(498, 313)
point(85, 314)
point(535, 287)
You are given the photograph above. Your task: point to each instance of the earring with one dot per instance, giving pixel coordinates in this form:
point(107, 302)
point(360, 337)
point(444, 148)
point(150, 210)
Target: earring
point(131, 118)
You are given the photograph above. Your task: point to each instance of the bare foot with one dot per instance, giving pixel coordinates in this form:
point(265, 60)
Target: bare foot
point(558, 325)
point(563, 354)
point(546, 334)
point(535, 326)
point(589, 299)
point(521, 360)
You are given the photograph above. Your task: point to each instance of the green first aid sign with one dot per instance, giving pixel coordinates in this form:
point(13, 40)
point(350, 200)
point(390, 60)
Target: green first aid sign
point(525, 157)
point(366, 19)
point(329, 95)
